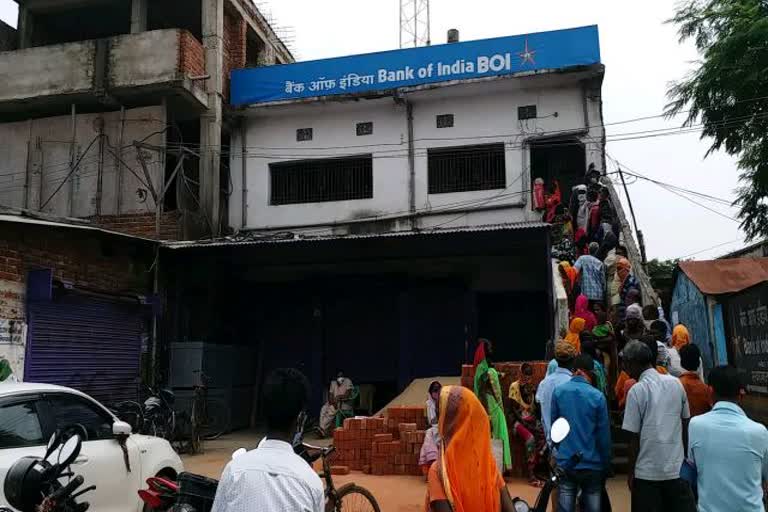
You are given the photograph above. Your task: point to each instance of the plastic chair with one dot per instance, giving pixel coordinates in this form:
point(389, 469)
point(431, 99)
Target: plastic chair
point(341, 413)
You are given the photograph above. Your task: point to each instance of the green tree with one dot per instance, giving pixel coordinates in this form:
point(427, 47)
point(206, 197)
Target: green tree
point(728, 92)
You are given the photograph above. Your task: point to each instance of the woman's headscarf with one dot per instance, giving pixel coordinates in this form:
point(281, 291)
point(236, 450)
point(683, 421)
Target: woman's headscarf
point(680, 336)
point(581, 310)
point(623, 269)
point(570, 272)
point(466, 465)
point(480, 351)
point(574, 333)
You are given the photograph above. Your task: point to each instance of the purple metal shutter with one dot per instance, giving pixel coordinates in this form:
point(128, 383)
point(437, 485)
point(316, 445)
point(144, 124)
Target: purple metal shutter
point(86, 343)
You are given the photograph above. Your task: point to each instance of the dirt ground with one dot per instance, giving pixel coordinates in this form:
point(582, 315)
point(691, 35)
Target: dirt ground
point(394, 493)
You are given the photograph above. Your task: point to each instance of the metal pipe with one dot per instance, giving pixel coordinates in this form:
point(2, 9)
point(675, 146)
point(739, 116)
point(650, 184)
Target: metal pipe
point(411, 162)
point(119, 163)
point(634, 220)
point(72, 158)
point(100, 171)
point(244, 179)
point(26, 168)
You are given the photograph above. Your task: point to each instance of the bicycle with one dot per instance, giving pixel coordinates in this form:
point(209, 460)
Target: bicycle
point(349, 497)
point(200, 416)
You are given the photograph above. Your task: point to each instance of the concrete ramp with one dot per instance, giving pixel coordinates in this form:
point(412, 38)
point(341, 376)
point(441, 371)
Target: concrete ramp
point(415, 394)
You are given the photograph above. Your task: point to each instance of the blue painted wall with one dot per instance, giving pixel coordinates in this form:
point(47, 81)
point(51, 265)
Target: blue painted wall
point(691, 308)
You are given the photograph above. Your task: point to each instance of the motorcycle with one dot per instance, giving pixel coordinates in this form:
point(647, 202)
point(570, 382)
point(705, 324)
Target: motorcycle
point(560, 430)
point(33, 484)
point(192, 493)
point(154, 417)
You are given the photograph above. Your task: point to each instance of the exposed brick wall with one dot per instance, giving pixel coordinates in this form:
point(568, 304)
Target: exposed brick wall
point(143, 224)
point(81, 258)
point(86, 260)
point(235, 30)
point(191, 55)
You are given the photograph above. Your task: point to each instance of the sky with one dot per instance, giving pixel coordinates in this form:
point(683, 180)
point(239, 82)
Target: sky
point(642, 56)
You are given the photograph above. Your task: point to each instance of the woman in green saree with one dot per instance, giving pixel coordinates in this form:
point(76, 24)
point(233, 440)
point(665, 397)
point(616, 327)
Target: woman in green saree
point(488, 390)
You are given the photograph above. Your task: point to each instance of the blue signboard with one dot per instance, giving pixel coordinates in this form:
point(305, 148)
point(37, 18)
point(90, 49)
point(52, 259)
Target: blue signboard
point(416, 66)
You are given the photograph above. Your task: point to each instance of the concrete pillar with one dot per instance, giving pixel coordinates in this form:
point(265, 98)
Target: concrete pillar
point(25, 27)
point(211, 121)
point(138, 16)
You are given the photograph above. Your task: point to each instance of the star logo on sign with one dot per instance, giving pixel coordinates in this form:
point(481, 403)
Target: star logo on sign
point(527, 55)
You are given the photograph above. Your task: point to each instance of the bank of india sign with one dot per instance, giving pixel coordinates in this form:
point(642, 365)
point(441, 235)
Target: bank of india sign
point(539, 52)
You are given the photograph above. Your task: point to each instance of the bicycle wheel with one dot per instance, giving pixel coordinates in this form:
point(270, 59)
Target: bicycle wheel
point(196, 437)
point(353, 498)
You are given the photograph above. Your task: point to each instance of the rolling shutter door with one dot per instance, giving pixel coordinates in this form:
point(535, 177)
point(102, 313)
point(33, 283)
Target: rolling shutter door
point(89, 344)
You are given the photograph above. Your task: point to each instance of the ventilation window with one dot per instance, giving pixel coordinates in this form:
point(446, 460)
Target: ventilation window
point(364, 129)
point(526, 112)
point(303, 134)
point(318, 181)
point(466, 168)
point(445, 121)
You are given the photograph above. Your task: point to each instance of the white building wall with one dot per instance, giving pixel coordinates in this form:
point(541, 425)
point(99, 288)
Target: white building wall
point(42, 149)
point(483, 112)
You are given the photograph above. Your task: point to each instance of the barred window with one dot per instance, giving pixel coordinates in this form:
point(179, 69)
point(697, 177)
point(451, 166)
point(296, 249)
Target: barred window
point(316, 181)
point(466, 168)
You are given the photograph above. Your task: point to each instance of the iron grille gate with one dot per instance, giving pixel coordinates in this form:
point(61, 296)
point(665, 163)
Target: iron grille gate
point(89, 344)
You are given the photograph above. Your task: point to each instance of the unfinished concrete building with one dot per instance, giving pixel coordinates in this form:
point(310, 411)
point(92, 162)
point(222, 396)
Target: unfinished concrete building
point(116, 110)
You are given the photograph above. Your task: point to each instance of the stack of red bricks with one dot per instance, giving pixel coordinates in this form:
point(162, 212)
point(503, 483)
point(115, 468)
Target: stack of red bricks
point(354, 442)
point(381, 445)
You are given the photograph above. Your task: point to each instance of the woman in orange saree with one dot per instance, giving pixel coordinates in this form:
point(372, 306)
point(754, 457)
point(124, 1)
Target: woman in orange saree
point(465, 477)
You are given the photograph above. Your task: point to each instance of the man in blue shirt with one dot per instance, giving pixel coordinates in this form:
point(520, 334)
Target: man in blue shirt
point(730, 451)
point(586, 410)
point(564, 355)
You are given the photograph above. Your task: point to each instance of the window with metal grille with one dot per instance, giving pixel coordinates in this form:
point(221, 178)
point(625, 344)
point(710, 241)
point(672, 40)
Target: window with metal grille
point(445, 121)
point(303, 134)
point(317, 181)
point(364, 129)
point(466, 168)
point(527, 112)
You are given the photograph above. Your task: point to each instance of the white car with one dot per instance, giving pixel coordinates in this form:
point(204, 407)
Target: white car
point(30, 413)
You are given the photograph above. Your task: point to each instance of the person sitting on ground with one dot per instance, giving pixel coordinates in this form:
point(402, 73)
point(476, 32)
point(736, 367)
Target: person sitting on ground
point(564, 355)
point(699, 394)
point(729, 451)
point(591, 274)
point(586, 410)
point(272, 477)
point(429, 449)
point(656, 415)
point(341, 388)
point(465, 477)
point(525, 425)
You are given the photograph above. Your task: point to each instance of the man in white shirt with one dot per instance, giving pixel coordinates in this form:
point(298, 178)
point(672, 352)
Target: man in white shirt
point(657, 415)
point(272, 477)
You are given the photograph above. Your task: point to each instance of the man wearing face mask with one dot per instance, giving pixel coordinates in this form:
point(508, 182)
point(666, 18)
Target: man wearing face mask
point(341, 388)
point(586, 410)
point(272, 477)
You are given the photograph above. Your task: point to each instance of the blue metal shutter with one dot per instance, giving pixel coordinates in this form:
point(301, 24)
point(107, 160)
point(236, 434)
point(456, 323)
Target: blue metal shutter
point(86, 343)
